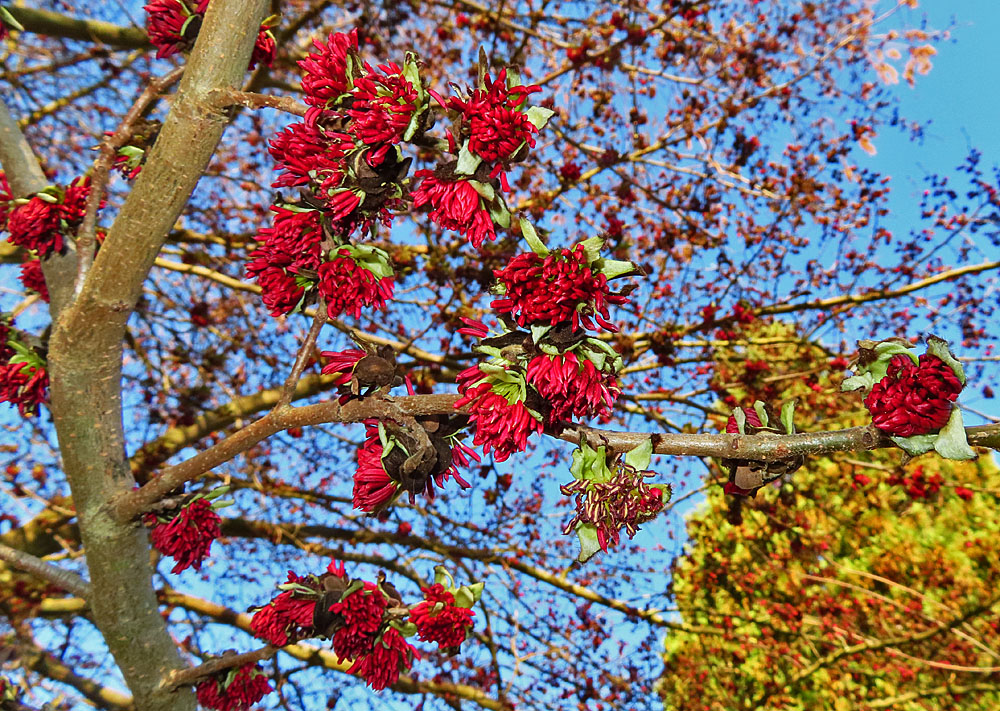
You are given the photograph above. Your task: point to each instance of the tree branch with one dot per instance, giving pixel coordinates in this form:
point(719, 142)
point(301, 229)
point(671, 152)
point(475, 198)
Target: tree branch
point(43, 22)
point(65, 579)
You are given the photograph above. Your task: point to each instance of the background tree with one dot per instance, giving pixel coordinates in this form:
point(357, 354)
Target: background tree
point(714, 147)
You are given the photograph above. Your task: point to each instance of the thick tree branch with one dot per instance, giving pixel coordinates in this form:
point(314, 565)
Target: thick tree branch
point(65, 579)
point(43, 22)
point(85, 356)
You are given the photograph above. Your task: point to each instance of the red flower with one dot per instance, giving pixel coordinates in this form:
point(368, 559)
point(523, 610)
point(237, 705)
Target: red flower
point(275, 272)
point(305, 153)
point(753, 420)
point(36, 226)
point(362, 612)
point(347, 286)
point(288, 617)
point(342, 362)
point(570, 172)
point(455, 206)
point(439, 619)
point(263, 48)
point(294, 232)
point(496, 125)
point(5, 199)
point(913, 399)
point(572, 388)
point(33, 279)
point(170, 27)
point(188, 536)
point(324, 73)
point(381, 667)
point(246, 686)
point(560, 288)
point(373, 488)
point(501, 425)
point(23, 385)
point(383, 106)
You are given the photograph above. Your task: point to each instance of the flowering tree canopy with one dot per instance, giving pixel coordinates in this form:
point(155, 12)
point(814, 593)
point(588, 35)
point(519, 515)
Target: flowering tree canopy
point(362, 356)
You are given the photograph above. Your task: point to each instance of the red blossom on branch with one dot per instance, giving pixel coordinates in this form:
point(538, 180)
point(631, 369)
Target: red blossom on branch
point(346, 286)
point(289, 616)
point(913, 398)
point(455, 205)
point(502, 424)
point(373, 488)
point(234, 690)
point(324, 72)
point(188, 536)
point(561, 287)
point(25, 386)
point(389, 656)
point(572, 387)
point(362, 611)
point(439, 619)
point(33, 279)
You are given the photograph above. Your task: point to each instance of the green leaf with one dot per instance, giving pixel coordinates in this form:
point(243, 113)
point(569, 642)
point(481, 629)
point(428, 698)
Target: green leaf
point(613, 268)
point(443, 577)
point(467, 162)
point(9, 20)
point(917, 444)
point(741, 420)
point(639, 457)
point(761, 411)
point(587, 533)
point(499, 212)
point(939, 347)
point(952, 442)
point(597, 358)
point(532, 238)
point(788, 416)
point(539, 116)
point(468, 595)
point(538, 331)
point(221, 504)
point(215, 493)
point(864, 381)
point(592, 248)
point(407, 629)
point(353, 587)
point(485, 190)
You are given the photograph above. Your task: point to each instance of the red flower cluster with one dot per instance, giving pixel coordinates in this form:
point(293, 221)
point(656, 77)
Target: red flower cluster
point(571, 387)
point(562, 287)
point(389, 655)
point(235, 690)
point(344, 160)
point(362, 612)
point(455, 205)
point(24, 381)
point(43, 222)
point(187, 536)
point(502, 424)
point(493, 120)
point(439, 619)
point(289, 616)
point(33, 279)
point(173, 26)
point(346, 286)
point(913, 398)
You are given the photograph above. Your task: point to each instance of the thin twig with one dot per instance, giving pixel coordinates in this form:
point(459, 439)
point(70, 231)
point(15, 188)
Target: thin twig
point(303, 357)
point(186, 677)
point(86, 235)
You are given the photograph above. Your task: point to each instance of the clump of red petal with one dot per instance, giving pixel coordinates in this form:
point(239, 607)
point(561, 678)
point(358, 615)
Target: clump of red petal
point(389, 656)
point(383, 106)
point(623, 502)
point(561, 287)
point(289, 616)
point(188, 536)
point(246, 686)
point(25, 386)
point(346, 286)
point(362, 612)
point(572, 388)
point(439, 619)
point(501, 425)
point(172, 25)
point(324, 72)
point(455, 205)
point(913, 398)
point(33, 279)
point(373, 488)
